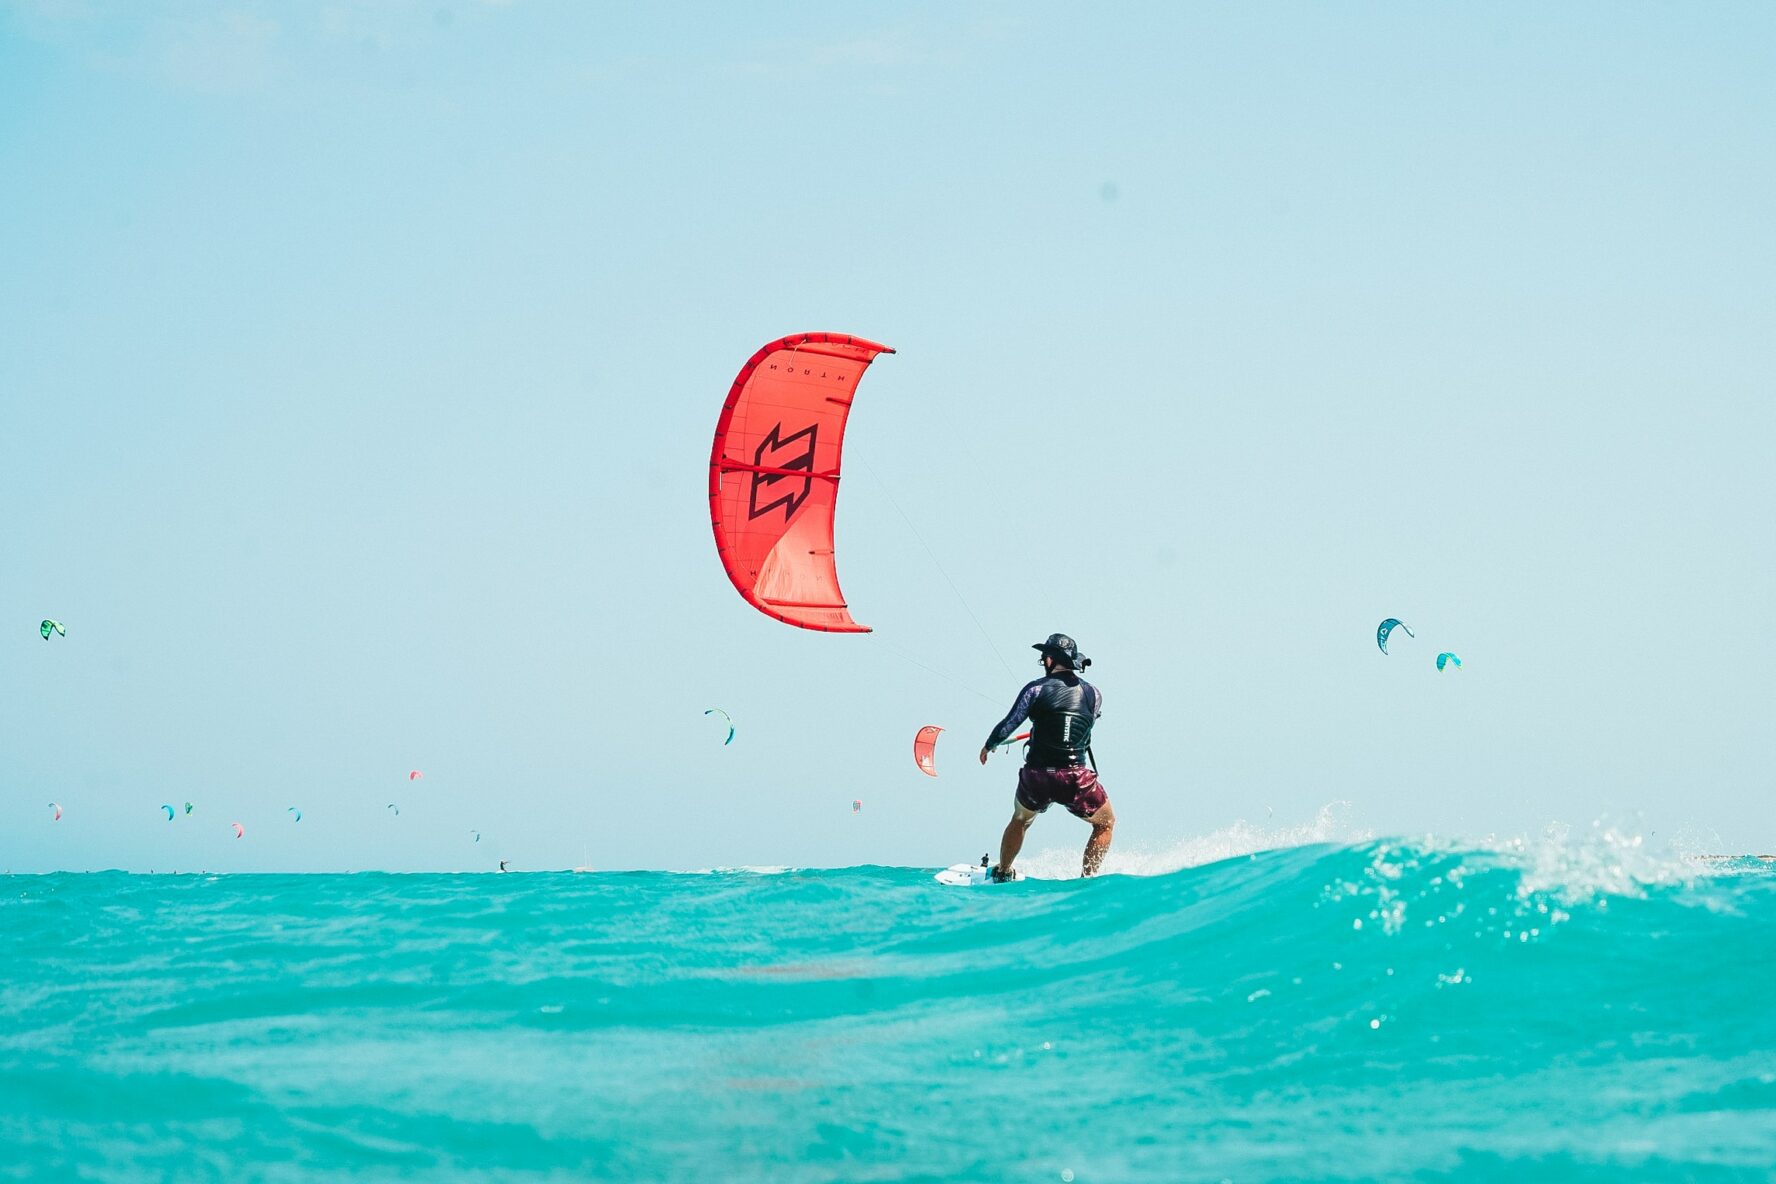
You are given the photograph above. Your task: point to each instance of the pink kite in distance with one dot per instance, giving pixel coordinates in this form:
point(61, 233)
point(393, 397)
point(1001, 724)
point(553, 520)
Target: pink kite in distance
point(239, 830)
point(924, 749)
point(415, 775)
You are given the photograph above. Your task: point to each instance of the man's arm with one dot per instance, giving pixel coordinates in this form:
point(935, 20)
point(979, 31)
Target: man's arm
point(1020, 711)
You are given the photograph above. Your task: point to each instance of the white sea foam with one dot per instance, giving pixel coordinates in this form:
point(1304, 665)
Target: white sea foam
point(1331, 824)
point(1573, 863)
point(1565, 863)
point(763, 869)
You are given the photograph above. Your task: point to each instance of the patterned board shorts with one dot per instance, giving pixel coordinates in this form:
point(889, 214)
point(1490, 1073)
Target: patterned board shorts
point(1076, 787)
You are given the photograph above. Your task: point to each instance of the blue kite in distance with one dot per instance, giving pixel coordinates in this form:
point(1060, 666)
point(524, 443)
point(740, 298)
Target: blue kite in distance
point(1387, 627)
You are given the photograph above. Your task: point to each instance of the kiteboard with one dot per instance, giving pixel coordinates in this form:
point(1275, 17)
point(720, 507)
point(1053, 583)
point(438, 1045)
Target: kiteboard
point(964, 875)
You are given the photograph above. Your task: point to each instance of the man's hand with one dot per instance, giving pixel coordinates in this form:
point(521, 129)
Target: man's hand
point(984, 753)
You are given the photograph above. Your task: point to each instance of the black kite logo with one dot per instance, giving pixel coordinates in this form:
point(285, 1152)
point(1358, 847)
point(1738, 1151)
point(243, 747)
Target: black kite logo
point(795, 451)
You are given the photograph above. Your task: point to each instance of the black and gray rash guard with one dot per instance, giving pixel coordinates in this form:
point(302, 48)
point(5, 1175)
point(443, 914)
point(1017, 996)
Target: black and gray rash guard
point(1060, 708)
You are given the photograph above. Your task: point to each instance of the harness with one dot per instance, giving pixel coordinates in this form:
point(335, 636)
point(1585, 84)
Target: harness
point(1061, 723)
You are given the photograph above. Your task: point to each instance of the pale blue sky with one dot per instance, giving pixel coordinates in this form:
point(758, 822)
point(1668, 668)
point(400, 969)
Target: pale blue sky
point(358, 366)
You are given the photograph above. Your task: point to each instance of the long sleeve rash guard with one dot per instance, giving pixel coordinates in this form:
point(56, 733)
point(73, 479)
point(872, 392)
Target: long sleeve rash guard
point(1061, 709)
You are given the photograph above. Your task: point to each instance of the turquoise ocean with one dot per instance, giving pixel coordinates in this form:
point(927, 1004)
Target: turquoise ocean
point(1392, 1010)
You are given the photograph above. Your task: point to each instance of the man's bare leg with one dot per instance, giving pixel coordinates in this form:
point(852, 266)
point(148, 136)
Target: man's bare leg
point(1103, 823)
point(1013, 840)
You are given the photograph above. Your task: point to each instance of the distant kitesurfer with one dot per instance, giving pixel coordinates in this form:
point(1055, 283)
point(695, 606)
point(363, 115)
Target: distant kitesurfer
point(1061, 707)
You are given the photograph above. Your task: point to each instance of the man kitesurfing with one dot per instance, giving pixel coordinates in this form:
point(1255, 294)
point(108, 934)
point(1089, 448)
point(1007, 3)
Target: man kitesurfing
point(1061, 708)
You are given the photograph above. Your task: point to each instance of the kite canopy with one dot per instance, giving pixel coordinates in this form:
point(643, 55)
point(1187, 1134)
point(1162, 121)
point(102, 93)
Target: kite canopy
point(1448, 659)
point(774, 476)
point(415, 775)
point(295, 811)
point(239, 830)
point(925, 749)
point(727, 719)
point(49, 627)
point(168, 807)
point(58, 812)
point(1386, 627)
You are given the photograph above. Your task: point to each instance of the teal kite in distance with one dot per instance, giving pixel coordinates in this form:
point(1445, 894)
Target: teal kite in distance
point(295, 811)
point(1447, 659)
point(1387, 627)
point(49, 627)
point(396, 809)
point(167, 806)
point(725, 718)
point(187, 807)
